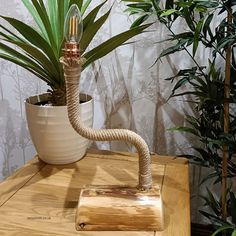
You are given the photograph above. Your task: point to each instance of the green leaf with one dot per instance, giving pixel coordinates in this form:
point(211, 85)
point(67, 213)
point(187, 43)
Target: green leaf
point(139, 20)
point(196, 36)
point(134, 11)
point(187, 17)
point(36, 17)
point(233, 207)
point(60, 23)
point(144, 6)
point(134, 0)
point(206, 26)
point(168, 12)
point(224, 43)
point(184, 129)
point(213, 202)
point(169, 4)
point(12, 35)
point(213, 218)
point(185, 35)
point(180, 83)
point(42, 12)
point(223, 228)
point(53, 16)
point(91, 31)
point(34, 60)
point(90, 18)
point(85, 6)
point(26, 66)
point(33, 37)
point(109, 45)
point(209, 176)
point(66, 6)
point(178, 47)
point(234, 233)
point(79, 3)
point(38, 56)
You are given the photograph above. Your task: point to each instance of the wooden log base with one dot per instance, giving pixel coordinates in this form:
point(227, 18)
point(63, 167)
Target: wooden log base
point(119, 208)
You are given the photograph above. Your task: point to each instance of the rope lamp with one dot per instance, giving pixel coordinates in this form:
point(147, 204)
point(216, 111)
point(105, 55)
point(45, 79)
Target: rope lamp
point(72, 64)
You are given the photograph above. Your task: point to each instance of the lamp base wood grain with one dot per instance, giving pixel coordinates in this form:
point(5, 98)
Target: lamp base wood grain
point(119, 208)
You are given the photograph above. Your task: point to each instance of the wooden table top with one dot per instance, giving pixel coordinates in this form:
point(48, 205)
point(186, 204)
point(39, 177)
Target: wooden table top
point(41, 199)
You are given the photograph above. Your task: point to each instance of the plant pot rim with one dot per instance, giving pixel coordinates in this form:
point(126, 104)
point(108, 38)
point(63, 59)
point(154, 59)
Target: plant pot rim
point(30, 101)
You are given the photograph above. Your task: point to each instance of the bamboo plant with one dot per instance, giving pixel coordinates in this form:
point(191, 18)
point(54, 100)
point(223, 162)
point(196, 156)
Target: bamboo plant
point(38, 49)
point(212, 88)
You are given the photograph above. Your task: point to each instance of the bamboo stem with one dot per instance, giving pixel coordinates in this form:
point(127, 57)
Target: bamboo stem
point(226, 117)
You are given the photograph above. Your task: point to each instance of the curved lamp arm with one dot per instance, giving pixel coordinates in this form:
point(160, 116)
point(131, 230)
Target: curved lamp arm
point(72, 71)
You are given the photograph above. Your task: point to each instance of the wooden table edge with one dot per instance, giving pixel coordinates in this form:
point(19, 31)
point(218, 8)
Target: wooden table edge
point(19, 178)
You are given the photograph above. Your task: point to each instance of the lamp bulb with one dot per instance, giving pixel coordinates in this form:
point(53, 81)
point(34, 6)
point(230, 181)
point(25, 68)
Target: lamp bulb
point(73, 28)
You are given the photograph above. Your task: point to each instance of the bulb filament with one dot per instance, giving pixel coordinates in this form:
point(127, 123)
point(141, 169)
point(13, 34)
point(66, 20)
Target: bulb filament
point(73, 28)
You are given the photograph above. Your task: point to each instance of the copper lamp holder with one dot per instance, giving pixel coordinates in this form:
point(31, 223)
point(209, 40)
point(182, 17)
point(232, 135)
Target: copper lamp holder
point(71, 50)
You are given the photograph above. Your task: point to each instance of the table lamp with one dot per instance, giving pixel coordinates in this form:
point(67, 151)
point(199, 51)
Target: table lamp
point(108, 207)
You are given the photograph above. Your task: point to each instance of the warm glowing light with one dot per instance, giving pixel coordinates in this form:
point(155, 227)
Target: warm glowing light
point(73, 28)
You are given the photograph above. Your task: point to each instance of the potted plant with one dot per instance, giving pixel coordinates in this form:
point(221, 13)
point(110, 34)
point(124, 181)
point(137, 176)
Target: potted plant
point(212, 88)
point(38, 50)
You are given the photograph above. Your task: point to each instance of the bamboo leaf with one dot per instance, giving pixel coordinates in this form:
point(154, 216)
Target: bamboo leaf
point(213, 203)
point(168, 12)
point(144, 6)
point(184, 129)
point(180, 83)
point(196, 36)
point(134, 11)
point(209, 176)
point(223, 228)
point(169, 4)
point(233, 207)
point(187, 17)
point(178, 47)
point(134, 0)
point(206, 27)
point(196, 93)
point(213, 218)
point(139, 20)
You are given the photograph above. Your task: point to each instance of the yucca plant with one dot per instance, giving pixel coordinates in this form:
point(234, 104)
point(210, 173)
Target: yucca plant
point(38, 49)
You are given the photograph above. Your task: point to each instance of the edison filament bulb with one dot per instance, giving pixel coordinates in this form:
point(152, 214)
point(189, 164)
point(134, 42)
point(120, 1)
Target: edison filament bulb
point(73, 28)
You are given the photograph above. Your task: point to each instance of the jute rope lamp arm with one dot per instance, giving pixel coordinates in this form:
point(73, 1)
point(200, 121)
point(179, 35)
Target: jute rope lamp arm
point(108, 207)
point(72, 71)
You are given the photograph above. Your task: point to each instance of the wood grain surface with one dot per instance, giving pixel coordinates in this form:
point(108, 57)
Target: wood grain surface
point(42, 199)
point(114, 207)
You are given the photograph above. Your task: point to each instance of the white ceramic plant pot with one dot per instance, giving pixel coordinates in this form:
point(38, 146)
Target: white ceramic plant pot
point(55, 140)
